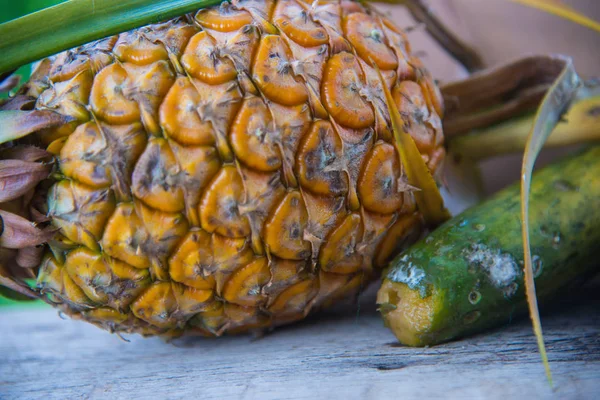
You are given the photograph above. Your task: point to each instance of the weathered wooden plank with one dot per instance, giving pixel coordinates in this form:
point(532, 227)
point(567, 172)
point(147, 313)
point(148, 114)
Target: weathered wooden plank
point(338, 355)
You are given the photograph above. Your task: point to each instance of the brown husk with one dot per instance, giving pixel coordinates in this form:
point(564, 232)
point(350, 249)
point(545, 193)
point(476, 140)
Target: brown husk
point(498, 93)
point(30, 257)
point(20, 233)
point(18, 102)
point(16, 124)
point(24, 153)
point(19, 177)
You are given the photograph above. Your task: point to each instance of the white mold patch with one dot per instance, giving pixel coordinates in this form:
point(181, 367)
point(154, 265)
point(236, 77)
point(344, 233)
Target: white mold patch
point(407, 272)
point(501, 268)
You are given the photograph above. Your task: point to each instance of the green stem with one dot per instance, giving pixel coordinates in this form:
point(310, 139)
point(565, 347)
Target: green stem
point(77, 22)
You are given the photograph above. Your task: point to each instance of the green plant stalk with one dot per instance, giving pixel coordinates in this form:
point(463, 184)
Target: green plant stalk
point(77, 22)
point(467, 275)
point(580, 126)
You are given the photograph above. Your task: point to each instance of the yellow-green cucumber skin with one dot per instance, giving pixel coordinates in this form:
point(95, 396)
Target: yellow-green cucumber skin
point(473, 264)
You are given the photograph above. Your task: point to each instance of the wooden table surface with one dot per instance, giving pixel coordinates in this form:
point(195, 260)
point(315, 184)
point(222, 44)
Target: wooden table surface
point(340, 355)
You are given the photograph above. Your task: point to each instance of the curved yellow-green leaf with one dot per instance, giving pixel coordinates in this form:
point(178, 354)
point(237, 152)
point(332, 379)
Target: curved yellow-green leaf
point(561, 10)
point(581, 124)
point(554, 105)
point(428, 197)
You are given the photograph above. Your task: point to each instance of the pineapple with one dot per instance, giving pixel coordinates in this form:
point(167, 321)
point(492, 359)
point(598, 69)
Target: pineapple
point(226, 171)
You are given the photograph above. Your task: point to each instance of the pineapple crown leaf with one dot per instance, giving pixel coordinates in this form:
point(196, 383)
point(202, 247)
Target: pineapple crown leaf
point(76, 22)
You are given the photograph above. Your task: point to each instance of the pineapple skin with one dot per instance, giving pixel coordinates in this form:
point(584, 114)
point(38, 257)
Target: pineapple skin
point(230, 170)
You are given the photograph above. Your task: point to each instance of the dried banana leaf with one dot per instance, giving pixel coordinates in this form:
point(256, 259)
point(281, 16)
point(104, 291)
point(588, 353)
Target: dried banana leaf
point(498, 94)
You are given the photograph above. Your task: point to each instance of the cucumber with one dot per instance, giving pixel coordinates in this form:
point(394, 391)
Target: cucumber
point(468, 274)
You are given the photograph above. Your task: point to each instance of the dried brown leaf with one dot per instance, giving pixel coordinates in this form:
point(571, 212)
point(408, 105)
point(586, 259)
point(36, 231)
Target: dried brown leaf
point(15, 124)
point(24, 153)
point(19, 102)
point(9, 83)
point(20, 233)
point(37, 216)
point(18, 287)
point(11, 294)
point(9, 281)
point(498, 93)
point(18, 177)
point(30, 257)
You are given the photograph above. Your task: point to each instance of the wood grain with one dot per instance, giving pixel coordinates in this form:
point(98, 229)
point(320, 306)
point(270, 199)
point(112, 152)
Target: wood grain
point(340, 355)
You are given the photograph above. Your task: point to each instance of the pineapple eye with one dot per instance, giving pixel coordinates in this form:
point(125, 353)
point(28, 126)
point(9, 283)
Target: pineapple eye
point(259, 133)
point(295, 231)
point(376, 35)
point(365, 34)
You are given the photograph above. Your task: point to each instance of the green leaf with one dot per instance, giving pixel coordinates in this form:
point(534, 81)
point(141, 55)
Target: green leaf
point(77, 22)
point(12, 9)
point(554, 105)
